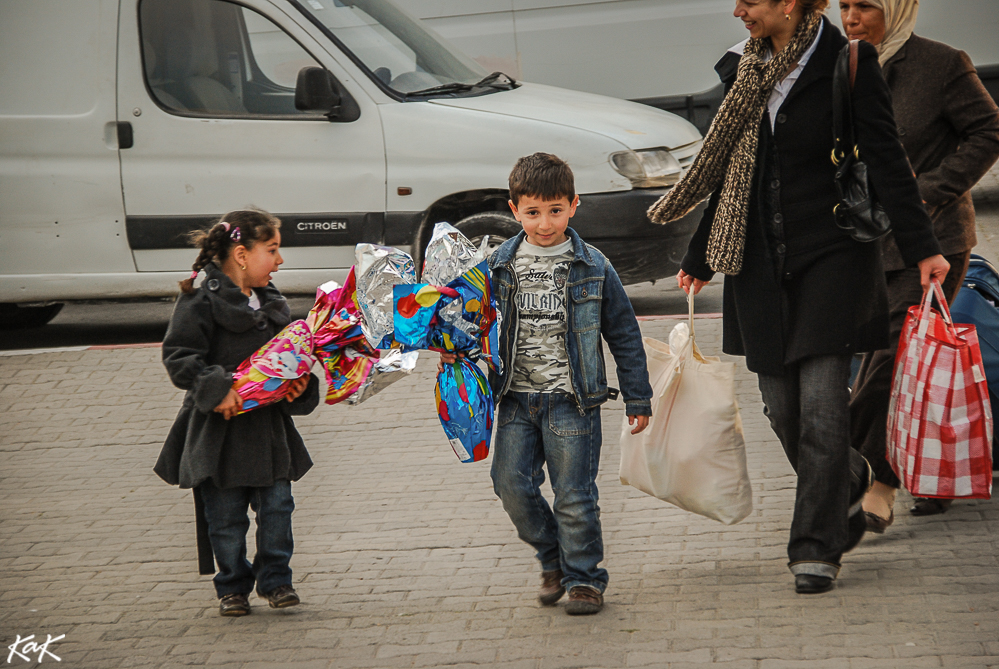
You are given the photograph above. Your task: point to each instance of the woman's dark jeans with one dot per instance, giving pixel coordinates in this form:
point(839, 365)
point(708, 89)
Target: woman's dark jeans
point(228, 522)
point(538, 428)
point(808, 409)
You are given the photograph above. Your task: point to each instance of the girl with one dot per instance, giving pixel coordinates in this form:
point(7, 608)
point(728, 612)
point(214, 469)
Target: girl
point(233, 461)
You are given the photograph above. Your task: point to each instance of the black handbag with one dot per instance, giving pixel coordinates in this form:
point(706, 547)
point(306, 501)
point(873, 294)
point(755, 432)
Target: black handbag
point(858, 211)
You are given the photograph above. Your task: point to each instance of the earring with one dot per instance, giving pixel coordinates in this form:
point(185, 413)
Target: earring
point(787, 16)
point(243, 267)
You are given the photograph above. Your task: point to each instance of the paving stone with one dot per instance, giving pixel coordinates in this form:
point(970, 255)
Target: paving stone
point(405, 558)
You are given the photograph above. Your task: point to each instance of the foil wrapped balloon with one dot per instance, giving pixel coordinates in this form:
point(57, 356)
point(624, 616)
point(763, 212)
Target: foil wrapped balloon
point(465, 408)
point(265, 377)
point(449, 254)
point(379, 268)
point(386, 370)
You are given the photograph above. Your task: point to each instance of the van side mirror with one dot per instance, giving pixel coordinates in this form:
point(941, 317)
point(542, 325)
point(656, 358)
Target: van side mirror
point(318, 90)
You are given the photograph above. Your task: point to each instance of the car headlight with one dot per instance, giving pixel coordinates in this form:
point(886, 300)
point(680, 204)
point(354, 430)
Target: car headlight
point(648, 168)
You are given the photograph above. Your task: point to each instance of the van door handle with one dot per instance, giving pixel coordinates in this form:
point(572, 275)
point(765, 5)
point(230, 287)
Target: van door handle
point(125, 138)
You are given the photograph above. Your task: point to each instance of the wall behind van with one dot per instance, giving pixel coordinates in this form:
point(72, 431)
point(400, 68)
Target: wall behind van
point(636, 49)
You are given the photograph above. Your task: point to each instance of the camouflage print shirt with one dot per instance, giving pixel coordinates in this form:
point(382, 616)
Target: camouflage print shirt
point(541, 364)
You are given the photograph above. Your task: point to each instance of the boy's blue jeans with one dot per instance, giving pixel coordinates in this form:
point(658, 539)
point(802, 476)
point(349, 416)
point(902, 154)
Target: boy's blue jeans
point(228, 522)
point(538, 428)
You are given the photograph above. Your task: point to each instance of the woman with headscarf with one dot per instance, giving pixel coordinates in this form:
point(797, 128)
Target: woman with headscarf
point(801, 296)
point(949, 126)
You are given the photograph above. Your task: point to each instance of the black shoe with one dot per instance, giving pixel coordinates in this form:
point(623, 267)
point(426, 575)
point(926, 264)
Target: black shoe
point(809, 584)
point(281, 597)
point(236, 604)
point(928, 506)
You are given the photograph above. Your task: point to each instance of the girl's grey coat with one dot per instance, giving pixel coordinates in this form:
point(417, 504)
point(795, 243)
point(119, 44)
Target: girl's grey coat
point(213, 330)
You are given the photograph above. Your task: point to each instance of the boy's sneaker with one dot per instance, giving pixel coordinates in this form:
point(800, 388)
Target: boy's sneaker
point(236, 604)
point(584, 601)
point(551, 587)
point(281, 597)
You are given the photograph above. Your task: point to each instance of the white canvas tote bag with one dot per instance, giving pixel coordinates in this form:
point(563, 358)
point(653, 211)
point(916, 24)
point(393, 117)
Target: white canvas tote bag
point(693, 453)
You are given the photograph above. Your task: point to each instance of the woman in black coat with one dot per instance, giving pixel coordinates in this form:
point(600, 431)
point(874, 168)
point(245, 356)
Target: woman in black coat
point(801, 296)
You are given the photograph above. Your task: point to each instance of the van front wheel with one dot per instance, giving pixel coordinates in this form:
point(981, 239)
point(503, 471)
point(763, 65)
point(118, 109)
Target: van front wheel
point(18, 317)
point(499, 226)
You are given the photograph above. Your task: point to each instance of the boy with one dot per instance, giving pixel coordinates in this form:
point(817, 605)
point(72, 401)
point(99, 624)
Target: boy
point(558, 295)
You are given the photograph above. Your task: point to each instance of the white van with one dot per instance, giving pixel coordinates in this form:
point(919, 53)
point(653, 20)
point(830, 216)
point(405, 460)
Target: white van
point(124, 124)
point(660, 52)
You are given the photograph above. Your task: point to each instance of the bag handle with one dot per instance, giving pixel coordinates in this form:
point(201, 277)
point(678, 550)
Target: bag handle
point(690, 311)
point(924, 315)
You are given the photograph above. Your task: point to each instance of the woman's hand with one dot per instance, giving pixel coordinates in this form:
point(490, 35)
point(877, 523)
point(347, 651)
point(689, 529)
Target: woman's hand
point(643, 422)
point(685, 281)
point(231, 405)
point(296, 388)
point(934, 267)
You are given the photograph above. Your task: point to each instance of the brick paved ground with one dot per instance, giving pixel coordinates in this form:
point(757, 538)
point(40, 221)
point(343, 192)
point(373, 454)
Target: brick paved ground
point(405, 558)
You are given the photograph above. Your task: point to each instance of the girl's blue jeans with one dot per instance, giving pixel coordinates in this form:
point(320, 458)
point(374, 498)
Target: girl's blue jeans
point(228, 522)
point(538, 428)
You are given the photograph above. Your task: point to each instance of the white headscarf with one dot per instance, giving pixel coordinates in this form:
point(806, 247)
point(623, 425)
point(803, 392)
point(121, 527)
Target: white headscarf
point(900, 21)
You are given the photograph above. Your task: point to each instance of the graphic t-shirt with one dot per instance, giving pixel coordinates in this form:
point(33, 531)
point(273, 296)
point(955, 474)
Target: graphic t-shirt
point(541, 364)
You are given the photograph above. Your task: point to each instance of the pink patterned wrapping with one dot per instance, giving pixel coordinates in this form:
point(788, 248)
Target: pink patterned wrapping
point(940, 419)
point(265, 377)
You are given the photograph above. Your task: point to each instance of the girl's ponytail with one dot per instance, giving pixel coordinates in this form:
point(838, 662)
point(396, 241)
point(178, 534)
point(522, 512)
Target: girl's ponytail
point(243, 227)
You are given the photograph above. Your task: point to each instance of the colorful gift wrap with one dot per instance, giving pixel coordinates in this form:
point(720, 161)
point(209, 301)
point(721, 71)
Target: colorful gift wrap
point(461, 318)
point(265, 377)
point(354, 370)
point(465, 408)
point(458, 317)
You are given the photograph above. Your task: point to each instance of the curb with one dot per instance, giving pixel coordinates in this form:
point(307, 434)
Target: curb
point(75, 349)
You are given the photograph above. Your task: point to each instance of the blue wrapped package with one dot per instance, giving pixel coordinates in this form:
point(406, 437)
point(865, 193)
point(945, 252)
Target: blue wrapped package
point(465, 407)
point(458, 318)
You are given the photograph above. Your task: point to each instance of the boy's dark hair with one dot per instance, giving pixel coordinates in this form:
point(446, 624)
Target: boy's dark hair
point(543, 176)
point(242, 227)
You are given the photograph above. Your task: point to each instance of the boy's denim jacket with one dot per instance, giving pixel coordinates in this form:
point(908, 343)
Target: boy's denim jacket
point(596, 305)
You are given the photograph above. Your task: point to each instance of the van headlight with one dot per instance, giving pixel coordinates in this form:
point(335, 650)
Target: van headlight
point(648, 168)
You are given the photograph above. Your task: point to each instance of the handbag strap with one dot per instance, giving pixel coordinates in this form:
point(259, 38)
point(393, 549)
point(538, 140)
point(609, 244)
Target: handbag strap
point(844, 76)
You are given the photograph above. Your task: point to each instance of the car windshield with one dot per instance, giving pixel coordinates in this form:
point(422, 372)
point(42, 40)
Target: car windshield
point(399, 50)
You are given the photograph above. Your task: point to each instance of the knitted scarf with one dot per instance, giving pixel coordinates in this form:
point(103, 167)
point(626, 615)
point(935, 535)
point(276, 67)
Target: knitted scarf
point(728, 157)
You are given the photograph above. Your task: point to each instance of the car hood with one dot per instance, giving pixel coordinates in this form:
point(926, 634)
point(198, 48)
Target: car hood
point(634, 125)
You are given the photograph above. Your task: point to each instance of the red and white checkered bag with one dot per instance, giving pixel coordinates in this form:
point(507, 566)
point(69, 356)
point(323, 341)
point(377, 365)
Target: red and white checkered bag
point(940, 419)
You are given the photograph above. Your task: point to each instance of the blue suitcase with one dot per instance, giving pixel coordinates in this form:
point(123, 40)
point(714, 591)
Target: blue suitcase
point(978, 305)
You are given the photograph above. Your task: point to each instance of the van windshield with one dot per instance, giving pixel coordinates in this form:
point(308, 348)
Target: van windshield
point(401, 52)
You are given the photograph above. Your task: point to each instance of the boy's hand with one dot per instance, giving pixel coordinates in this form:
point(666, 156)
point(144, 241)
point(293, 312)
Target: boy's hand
point(448, 359)
point(231, 405)
point(643, 422)
point(296, 388)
